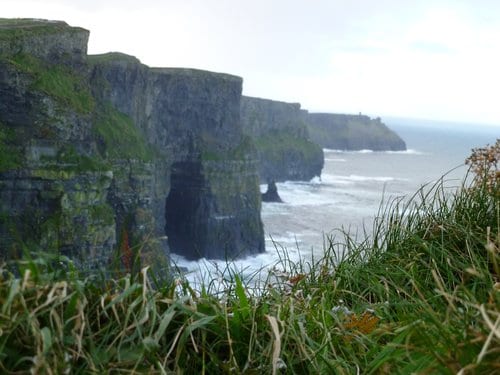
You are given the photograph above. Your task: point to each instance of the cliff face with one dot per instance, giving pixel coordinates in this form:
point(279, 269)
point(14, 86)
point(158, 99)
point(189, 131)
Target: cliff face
point(103, 152)
point(352, 132)
point(52, 189)
point(281, 137)
point(205, 180)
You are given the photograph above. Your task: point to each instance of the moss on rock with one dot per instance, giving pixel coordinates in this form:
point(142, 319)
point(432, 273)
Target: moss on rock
point(121, 138)
point(111, 57)
point(284, 156)
point(10, 155)
point(18, 28)
point(65, 85)
point(284, 149)
point(277, 144)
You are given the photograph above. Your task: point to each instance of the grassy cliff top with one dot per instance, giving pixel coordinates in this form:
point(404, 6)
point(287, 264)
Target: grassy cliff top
point(110, 57)
point(22, 27)
point(118, 57)
point(196, 73)
point(28, 22)
point(340, 116)
point(268, 101)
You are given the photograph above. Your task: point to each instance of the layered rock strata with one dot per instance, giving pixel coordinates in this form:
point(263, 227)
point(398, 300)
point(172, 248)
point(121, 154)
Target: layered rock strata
point(102, 153)
point(284, 148)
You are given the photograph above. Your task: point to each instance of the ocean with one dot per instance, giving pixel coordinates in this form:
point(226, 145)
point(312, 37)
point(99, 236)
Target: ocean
point(348, 195)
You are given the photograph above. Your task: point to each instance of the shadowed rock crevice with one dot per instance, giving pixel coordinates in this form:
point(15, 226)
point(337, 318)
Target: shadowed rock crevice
point(199, 220)
point(188, 206)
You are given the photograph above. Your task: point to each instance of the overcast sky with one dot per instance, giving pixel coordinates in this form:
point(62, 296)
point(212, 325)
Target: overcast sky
point(436, 59)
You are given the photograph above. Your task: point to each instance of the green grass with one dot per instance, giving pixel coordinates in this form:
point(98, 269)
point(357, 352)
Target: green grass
point(58, 81)
point(419, 296)
point(103, 212)
point(16, 29)
point(121, 138)
point(68, 159)
point(112, 57)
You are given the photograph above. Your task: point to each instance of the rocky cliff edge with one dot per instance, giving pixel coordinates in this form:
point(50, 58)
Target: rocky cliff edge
point(102, 156)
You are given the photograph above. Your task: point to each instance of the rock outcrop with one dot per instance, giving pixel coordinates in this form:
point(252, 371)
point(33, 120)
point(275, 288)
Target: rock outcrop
point(352, 132)
point(99, 153)
point(281, 137)
point(271, 195)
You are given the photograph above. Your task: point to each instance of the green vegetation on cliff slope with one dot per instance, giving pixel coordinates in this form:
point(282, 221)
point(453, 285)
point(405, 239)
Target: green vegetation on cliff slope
point(58, 81)
point(420, 296)
point(352, 132)
point(244, 149)
point(277, 145)
point(68, 162)
point(10, 155)
point(16, 29)
point(122, 139)
point(112, 57)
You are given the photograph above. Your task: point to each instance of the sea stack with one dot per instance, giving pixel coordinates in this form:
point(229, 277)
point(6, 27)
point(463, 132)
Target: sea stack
point(271, 195)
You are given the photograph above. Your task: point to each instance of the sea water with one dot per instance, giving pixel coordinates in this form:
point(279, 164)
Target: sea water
point(348, 196)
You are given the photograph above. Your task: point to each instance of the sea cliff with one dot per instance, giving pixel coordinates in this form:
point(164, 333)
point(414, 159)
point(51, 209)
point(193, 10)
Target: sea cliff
point(102, 153)
point(281, 136)
point(102, 156)
point(352, 132)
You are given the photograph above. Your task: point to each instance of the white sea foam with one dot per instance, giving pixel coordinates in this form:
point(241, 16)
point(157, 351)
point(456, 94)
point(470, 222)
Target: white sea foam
point(284, 238)
point(337, 160)
point(254, 270)
point(338, 151)
point(315, 192)
point(315, 180)
point(352, 179)
point(407, 152)
point(300, 193)
point(356, 178)
point(366, 151)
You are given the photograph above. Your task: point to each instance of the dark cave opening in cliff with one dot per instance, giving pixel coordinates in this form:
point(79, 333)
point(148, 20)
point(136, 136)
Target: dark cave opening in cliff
point(186, 208)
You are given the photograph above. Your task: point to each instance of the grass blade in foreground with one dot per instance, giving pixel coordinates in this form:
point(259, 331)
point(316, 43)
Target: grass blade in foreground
point(421, 296)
